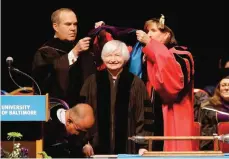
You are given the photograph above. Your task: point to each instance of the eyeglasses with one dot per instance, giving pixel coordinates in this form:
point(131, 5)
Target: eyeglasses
point(78, 128)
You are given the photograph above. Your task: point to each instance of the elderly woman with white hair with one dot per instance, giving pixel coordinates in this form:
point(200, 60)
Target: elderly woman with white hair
point(118, 98)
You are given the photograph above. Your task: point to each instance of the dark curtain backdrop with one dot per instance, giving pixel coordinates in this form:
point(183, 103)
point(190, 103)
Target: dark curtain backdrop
point(26, 25)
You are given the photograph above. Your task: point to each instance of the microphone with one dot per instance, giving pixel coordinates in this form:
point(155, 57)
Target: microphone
point(9, 61)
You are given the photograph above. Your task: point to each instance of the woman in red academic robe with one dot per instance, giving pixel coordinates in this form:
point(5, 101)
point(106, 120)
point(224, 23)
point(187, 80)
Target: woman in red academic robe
point(170, 70)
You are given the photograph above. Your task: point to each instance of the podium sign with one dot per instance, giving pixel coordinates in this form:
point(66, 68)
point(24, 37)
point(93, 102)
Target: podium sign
point(23, 108)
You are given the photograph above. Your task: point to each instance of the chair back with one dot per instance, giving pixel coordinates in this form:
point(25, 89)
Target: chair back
point(196, 143)
point(223, 128)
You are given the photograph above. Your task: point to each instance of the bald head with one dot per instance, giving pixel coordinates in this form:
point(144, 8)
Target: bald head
point(83, 114)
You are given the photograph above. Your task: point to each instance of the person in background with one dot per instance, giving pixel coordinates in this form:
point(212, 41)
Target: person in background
point(223, 67)
point(200, 96)
point(214, 110)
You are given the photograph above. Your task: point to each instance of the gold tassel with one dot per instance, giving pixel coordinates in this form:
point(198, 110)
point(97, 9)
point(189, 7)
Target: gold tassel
point(162, 22)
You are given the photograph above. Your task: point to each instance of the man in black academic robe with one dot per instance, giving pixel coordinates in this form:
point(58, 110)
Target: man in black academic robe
point(60, 65)
point(64, 133)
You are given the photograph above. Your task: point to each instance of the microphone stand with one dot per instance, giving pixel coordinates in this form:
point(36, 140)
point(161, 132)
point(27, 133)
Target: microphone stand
point(23, 73)
point(9, 70)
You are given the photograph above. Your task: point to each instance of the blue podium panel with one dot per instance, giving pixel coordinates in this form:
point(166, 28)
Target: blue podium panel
point(23, 108)
point(122, 156)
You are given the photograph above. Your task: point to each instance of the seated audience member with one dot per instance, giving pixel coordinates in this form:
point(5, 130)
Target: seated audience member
point(200, 96)
point(118, 98)
point(223, 66)
point(66, 129)
point(224, 61)
point(213, 111)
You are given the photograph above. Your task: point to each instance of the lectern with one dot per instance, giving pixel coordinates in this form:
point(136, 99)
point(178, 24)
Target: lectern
point(25, 114)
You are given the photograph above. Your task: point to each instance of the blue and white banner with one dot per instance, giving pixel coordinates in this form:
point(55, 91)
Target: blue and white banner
point(23, 108)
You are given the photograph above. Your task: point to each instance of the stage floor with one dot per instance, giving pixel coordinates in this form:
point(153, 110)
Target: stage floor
point(171, 157)
point(125, 156)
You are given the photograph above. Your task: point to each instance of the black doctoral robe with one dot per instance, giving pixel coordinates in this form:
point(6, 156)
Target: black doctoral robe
point(209, 118)
point(55, 76)
point(57, 142)
point(120, 108)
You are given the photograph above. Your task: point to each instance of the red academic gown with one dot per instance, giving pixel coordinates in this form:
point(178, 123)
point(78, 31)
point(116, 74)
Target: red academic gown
point(166, 76)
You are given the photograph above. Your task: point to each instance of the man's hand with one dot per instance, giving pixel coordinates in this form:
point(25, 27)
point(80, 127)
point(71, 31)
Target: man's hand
point(82, 45)
point(98, 24)
point(142, 151)
point(88, 150)
point(142, 37)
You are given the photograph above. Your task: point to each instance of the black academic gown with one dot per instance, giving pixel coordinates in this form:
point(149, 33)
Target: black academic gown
point(209, 118)
point(53, 74)
point(120, 110)
point(57, 142)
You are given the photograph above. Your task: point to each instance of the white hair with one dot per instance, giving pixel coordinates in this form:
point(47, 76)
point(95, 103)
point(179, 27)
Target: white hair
point(113, 45)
